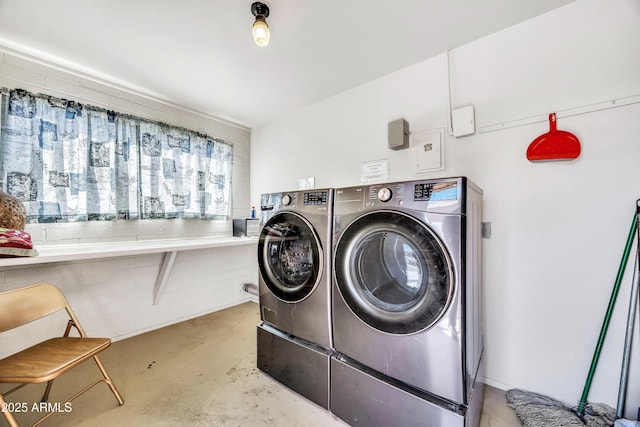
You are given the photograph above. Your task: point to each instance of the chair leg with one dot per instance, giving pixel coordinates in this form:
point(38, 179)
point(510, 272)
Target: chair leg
point(7, 415)
point(109, 381)
point(45, 396)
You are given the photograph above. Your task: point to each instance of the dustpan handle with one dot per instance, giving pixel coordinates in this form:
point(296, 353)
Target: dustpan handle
point(552, 122)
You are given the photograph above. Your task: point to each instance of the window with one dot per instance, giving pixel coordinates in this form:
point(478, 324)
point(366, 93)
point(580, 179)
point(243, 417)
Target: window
point(72, 162)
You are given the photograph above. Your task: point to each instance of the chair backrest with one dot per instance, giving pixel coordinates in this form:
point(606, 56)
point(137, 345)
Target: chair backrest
point(21, 306)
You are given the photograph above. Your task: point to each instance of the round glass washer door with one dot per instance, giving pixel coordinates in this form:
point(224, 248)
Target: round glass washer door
point(289, 257)
point(393, 272)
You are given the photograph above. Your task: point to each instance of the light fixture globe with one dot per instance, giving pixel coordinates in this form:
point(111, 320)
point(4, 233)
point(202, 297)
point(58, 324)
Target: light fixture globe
point(260, 31)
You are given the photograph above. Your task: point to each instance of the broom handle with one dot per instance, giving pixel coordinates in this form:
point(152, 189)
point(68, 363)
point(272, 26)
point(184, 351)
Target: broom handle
point(628, 338)
point(607, 318)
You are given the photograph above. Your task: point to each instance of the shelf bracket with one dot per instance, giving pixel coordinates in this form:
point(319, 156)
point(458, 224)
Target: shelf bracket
point(163, 274)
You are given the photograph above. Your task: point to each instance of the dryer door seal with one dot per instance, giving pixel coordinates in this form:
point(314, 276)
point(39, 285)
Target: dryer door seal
point(289, 257)
point(393, 272)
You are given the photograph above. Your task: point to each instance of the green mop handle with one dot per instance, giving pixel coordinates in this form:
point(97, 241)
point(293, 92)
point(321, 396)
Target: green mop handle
point(607, 318)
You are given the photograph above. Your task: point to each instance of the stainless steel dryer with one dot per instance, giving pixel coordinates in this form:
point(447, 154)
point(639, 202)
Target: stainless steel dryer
point(407, 303)
point(294, 255)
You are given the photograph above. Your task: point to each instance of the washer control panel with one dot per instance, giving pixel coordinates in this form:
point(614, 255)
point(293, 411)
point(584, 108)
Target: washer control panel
point(316, 201)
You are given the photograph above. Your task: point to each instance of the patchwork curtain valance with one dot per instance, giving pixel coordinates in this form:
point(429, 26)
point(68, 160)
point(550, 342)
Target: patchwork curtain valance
point(72, 162)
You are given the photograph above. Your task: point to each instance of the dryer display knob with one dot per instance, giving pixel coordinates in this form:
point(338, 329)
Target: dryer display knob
point(286, 199)
point(384, 194)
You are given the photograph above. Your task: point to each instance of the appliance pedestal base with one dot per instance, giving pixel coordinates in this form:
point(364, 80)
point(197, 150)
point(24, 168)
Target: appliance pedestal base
point(362, 399)
point(301, 366)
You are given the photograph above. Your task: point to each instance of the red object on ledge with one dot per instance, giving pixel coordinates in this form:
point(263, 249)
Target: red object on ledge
point(15, 243)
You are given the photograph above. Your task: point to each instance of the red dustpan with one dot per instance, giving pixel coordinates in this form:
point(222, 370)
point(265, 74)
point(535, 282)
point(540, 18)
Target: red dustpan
point(554, 145)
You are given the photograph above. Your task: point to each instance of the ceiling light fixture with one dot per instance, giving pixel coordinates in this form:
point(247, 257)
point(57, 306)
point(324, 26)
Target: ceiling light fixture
point(261, 33)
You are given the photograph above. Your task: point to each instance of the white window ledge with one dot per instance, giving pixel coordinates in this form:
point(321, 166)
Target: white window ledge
point(90, 251)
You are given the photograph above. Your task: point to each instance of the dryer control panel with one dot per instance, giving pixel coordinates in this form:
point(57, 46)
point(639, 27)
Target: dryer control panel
point(445, 195)
point(421, 191)
point(425, 191)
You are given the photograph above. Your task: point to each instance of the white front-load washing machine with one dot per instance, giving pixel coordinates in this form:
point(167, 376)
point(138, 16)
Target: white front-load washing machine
point(407, 313)
point(294, 256)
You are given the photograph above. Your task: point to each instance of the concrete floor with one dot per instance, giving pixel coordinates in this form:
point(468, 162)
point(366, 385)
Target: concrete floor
point(197, 373)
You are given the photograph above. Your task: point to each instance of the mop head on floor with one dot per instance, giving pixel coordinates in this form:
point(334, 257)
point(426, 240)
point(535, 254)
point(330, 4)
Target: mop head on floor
point(536, 410)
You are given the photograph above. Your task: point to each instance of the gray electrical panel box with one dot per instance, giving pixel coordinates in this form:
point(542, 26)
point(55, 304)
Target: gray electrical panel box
point(398, 134)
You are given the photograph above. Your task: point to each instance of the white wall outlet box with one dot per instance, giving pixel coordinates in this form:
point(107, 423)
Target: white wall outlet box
point(463, 121)
point(429, 152)
point(307, 183)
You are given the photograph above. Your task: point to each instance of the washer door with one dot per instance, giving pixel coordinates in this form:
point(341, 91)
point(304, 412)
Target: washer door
point(289, 257)
point(393, 272)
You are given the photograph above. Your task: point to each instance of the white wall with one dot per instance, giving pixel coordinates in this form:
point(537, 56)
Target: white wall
point(114, 297)
point(559, 228)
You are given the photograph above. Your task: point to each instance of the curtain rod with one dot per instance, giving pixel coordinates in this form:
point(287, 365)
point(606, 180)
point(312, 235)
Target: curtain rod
point(105, 81)
point(605, 105)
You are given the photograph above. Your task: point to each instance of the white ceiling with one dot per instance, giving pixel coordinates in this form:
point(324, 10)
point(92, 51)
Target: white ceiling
point(199, 53)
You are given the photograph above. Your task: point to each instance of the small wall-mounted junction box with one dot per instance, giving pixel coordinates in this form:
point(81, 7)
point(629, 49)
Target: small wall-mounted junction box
point(399, 134)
